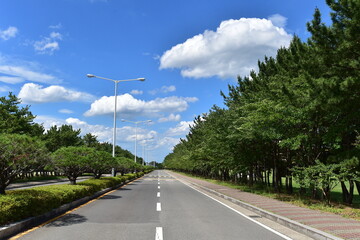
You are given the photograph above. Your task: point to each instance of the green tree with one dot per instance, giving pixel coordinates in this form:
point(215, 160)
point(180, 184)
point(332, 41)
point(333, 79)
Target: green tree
point(90, 140)
point(19, 154)
point(100, 162)
point(64, 136)
point(16, 119)
point(72, 161)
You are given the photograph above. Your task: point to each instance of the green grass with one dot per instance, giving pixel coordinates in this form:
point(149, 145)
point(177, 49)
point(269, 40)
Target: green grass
point(335, 207)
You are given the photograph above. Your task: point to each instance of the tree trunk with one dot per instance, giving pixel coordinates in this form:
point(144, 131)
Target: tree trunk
point(357, 183)
point(345, 192)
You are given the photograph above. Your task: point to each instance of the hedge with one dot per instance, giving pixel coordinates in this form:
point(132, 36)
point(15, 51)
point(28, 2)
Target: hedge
point(20, 204)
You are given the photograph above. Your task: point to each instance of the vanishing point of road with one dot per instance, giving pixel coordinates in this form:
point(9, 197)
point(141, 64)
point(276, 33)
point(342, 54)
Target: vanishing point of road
point(156, 206)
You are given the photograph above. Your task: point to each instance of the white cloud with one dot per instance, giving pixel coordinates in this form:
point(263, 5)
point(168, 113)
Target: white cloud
point(129, 106)
point(180, 129)
point(66, 111)
point(233, 49)
point(171, 118)
point(163, 89)
point(136, 92)
point(19, 71)
point(34, 93)
point(278, 20)
point(48, 45)
point(10, 32)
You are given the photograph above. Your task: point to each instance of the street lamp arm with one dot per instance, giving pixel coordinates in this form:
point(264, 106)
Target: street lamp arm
point(125, 80)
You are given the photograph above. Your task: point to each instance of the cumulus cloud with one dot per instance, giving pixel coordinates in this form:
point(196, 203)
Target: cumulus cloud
point(136, 92)
point(34, 93)
point(17, 74)
point(10, 32)
point(171, 118)
point(180, 129)
point(128, 105)
point(233, 49)
point(48, 45)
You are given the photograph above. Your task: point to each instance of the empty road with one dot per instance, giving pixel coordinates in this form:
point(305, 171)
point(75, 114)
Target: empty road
point(157, 206)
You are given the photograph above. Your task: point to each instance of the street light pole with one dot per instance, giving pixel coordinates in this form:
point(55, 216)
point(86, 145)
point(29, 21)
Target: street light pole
point(136, 123)
point(115, 105)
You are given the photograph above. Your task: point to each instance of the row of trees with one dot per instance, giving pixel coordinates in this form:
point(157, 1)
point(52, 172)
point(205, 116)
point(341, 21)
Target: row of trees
point(297, 117)
point(27, 150)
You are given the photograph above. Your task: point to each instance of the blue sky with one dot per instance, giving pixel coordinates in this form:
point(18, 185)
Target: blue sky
point(187, 50)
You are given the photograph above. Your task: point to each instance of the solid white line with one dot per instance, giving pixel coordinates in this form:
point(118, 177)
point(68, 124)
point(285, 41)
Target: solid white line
point(262, 225)
point(159, 233)
point(158, 207)
point(158, 194)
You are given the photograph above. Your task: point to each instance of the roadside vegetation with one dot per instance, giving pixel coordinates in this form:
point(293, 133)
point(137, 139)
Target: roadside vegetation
point(28, 151)
point(292, 128)
point(21, 204)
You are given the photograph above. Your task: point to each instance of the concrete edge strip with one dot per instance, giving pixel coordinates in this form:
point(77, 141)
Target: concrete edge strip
point(18, 227)
point(299, 227)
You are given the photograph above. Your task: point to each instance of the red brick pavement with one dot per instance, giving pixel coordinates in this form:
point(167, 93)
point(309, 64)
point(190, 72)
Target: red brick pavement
point(327, 222)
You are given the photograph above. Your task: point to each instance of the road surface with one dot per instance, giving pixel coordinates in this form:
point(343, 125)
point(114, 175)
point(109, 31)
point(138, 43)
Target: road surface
point(157, 206)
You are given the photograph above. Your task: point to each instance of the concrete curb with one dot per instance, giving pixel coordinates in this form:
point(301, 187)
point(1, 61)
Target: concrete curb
point(10, 230)
point(304, 229)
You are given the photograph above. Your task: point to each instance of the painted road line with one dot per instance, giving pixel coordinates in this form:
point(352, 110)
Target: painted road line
point(254, 221)
point(158, 187)
point(159, 233)
point(158, 194)
point(158, 207)
point(68, 212)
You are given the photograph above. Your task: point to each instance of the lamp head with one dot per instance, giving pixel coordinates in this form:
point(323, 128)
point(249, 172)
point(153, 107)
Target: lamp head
point(141, 79)
point(90, 75)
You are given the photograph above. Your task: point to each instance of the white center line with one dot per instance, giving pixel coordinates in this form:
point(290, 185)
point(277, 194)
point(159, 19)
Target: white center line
point(158, 194)
point(159, 233)
point(158, 207)
point(158, 187)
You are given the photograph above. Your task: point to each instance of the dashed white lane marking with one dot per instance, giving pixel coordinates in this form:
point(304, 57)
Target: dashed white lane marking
point(158, 207)
point(158, 194)
point(159, 233)
point(158, 187)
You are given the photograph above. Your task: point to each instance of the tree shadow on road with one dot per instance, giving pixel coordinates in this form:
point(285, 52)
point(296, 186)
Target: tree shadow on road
point(109, 197)
point(67, 220)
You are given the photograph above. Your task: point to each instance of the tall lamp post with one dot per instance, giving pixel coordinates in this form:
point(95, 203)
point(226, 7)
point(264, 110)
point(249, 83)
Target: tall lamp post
point(136, 123)
point(115, 103)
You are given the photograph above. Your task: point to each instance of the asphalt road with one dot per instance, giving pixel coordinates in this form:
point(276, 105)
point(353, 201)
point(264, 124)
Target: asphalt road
point(156, 206)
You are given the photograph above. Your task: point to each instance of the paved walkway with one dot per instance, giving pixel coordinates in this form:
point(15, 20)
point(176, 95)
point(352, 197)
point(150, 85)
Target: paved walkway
point(327, 222)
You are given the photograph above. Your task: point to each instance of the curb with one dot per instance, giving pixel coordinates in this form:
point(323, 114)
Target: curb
point(304, 229)
point(12, 229)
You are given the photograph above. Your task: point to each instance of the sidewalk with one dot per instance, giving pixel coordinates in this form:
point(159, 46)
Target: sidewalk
point(327, 222)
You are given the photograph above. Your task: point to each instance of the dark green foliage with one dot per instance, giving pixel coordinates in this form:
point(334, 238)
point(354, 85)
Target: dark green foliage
point(20, 204)
point(300, 113)
point(19, 154)
point(14, 119)
point(64, 136)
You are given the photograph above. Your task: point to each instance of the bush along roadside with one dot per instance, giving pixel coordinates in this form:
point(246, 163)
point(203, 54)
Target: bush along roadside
point(17, 205)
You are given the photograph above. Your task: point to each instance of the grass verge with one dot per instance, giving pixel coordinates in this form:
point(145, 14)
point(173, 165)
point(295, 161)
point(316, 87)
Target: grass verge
point(352, 212)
